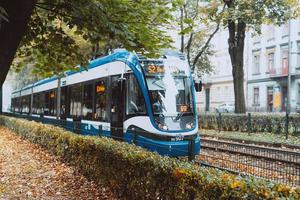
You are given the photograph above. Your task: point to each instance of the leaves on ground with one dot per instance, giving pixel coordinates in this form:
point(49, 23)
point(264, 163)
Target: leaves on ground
point(29, 172)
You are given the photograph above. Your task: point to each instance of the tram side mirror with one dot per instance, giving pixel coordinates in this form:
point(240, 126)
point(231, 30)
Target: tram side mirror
point(198, 86)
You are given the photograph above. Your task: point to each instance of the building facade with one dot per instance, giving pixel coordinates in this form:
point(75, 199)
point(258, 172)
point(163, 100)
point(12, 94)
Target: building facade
point(274, 63)
point(270, 63)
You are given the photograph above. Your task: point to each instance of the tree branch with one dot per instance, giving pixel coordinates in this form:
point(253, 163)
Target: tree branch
point(188, 48)
point(206, 45)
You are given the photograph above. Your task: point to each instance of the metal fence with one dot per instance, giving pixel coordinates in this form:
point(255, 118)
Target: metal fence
point(278, 165)
point(288, 124)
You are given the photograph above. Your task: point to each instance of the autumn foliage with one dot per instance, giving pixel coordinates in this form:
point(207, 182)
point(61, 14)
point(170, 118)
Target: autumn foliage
point(135, 173)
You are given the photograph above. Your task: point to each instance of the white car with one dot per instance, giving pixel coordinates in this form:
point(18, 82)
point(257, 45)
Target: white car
point(225, 108)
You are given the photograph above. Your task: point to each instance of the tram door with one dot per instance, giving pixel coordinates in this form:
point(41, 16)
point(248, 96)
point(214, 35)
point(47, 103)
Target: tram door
point(117, 107)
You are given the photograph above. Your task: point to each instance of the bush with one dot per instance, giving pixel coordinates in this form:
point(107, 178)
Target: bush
point(271, 123)
point(135, 173)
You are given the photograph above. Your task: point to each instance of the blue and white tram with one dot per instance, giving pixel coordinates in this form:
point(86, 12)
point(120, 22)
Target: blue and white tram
point(145, 101)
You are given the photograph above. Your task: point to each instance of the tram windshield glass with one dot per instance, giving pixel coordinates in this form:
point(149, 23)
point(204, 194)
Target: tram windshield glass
point(170, 95)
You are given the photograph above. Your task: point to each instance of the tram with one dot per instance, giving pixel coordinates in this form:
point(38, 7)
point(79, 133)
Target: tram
point(149, 102)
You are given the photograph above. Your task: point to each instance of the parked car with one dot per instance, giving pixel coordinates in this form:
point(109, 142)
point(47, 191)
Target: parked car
point(225, 108)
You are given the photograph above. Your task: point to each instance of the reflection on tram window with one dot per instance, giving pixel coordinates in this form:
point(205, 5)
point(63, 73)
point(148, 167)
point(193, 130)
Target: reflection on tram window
point(87, 106)
point(135, 99)
point(100, 101)
point(25, 102)
point(75, 101)
point(38, 103)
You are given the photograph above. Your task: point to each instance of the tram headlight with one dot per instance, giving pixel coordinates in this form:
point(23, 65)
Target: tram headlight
point(189, 125)
point(163, 126)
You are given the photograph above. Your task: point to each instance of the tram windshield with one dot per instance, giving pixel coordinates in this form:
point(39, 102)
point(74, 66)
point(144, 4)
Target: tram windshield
point(170, 96)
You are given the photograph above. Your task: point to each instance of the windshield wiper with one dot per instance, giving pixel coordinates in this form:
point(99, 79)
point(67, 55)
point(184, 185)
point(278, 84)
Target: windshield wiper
point(179, 116)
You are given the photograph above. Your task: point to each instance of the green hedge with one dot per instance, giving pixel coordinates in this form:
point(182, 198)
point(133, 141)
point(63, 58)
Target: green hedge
point(134, 173)
point(272, 123)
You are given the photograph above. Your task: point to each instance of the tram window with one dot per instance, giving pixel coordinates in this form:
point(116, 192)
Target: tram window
point(46, 105)
point(38, 103)
point(13, 105)
point(87, 104)
point(101, 113)
point(134, 98)
point(25, 104)
point(50, 103)
point(17, 107)
point(75, 101)
point(34, 107)
point(63, 102)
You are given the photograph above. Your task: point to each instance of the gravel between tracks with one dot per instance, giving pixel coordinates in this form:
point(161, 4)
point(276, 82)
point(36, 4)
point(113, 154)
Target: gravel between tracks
point(29, 172)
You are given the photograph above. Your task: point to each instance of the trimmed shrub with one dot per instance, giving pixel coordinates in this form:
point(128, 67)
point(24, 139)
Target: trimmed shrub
point(271, 123)
point(135, 173)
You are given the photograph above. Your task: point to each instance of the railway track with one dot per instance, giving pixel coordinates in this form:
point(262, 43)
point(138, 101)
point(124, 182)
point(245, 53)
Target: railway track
point(271, 154)
point(278, 165)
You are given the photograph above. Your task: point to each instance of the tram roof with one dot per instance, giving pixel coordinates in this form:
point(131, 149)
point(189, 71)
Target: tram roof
point(119, 55)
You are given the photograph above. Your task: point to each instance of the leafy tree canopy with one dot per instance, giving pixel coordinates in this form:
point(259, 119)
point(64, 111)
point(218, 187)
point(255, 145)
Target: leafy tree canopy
point(197, 32)
point(253, 13)
point(62, 33)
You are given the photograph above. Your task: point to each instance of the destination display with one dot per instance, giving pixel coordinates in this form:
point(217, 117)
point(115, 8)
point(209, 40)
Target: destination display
point(160, 69)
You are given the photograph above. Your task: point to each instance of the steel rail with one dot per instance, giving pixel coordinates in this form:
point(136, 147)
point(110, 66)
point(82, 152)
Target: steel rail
point(270, 154)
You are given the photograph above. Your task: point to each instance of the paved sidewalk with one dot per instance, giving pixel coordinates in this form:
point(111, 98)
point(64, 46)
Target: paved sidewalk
point(29, 172)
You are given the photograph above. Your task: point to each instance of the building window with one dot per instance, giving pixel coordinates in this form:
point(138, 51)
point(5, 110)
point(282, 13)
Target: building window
point(256, 39)
point(270, 33)
point(270, 99)
point(299, 93)
point(298, 56)
point(256, 63)
point(284, 61)
point(256, 96)
point(285, 29)
point(271, 59)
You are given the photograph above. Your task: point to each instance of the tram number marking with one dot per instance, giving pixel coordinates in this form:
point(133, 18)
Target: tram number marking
point(178, 137)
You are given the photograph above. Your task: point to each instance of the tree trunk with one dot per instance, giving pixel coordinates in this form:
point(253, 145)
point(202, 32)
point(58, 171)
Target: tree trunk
point(1, 96)
point(181, 29)
point(11, 32)
point(236, 43)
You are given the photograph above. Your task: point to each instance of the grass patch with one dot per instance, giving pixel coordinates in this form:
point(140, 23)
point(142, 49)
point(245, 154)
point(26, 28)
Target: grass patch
point(254, 137)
